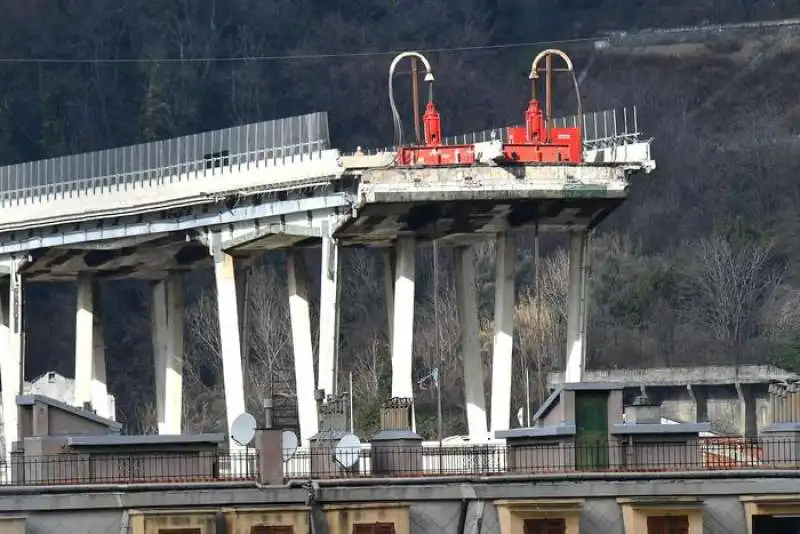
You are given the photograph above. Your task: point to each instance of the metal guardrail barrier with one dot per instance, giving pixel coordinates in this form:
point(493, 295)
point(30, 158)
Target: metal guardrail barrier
point(600, 129)
point(143, 165)
point(704, 454)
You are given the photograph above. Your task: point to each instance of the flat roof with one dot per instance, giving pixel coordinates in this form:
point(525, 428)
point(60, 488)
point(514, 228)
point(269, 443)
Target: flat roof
point(658, 428)
point(537, 432)
point(121, 441)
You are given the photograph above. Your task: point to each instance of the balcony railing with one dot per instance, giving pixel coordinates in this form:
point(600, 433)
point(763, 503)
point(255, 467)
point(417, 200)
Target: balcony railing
point(706, 454)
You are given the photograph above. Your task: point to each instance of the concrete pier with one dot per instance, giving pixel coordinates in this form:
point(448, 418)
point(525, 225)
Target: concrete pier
point(302, 346)
point(230, 346)
point(167, 333)
point(474, 395)
point(504, 295)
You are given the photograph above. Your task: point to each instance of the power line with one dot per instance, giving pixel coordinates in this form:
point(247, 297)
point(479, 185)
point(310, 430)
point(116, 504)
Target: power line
point(292, 57)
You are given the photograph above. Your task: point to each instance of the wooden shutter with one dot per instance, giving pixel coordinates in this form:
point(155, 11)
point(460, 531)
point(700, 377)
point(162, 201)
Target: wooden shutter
point(179, 531)
point(374, 528)
point(668, 524)
point(545, 526)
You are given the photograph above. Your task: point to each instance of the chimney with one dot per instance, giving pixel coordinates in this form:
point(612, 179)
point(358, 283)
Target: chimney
point(269, 444)
point(396, 450)
point(396, 414)
point(267, 403)
point(334, 413)
point(643, 411)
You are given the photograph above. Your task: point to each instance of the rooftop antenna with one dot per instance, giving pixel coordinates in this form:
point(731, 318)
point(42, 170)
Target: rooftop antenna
point(348, 451)
point(243, 429)
point(288, 444)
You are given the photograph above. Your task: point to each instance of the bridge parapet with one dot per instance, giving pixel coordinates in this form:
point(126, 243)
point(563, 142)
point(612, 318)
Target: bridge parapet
point(274, 154)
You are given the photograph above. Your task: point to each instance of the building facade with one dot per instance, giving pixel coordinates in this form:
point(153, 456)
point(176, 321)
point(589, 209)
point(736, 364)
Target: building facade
point(735, 503)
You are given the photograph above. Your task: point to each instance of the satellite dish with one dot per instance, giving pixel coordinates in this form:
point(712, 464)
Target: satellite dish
point(348, 451)
point(288, 444)
point(243, 429)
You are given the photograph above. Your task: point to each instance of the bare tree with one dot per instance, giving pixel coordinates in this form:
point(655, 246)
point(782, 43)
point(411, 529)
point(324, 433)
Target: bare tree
point(781, 313)
point(268, 356)
point(733, 282)
point(540, 324)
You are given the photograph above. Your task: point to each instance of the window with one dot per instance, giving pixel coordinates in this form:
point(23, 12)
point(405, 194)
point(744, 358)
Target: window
point(670, 515)
point(179, 531)
point(51, 377)
point(540, 516)
point(668, 524)
point(272, 529)
point(545, 526)
point(374, 528)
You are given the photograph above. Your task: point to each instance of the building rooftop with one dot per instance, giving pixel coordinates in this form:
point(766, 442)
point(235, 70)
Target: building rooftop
point(30, 400)
point(127, 441)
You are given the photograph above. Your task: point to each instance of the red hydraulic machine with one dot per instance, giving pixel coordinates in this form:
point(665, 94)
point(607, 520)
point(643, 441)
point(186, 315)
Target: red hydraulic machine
point(536, 142)
point(432, 152)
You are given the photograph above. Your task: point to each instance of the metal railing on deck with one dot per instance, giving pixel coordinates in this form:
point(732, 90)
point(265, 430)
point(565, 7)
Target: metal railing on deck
point(148, 164)
point(600, 129)
point(370, 461)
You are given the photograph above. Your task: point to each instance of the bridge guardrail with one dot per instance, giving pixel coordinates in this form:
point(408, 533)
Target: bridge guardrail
point(152, 164)
point(601, 129)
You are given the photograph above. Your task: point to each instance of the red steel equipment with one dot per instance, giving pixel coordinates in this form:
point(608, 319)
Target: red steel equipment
point(431, 152)
point(536, 142)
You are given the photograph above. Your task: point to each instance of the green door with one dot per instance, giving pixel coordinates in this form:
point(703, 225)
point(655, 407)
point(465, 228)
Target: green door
point(591, 429)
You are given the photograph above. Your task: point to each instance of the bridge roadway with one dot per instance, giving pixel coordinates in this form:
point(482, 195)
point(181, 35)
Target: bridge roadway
point(207, 201)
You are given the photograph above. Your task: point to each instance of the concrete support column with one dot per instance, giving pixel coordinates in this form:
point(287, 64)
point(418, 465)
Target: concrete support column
point(503, 332)
point(577, 297)
point(230, 347)
point(328, 316)
point(748, 415)
point(11, 353)
point(474, 396)
point(167, 332)
point(100, 401)
point(700, 397)
point(301, 343)
point(90, 358)
point(389, 259)
point(403, 318)
point(701, 407)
